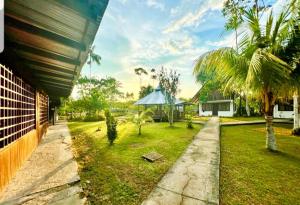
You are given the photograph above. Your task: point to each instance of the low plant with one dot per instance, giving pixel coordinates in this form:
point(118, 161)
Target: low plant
point(111, 125)
point(296, 132)
point(142, 118)
point(189, 122)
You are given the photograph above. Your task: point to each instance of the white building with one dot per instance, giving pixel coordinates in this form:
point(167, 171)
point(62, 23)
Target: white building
point(284, 110)
point(215, 105)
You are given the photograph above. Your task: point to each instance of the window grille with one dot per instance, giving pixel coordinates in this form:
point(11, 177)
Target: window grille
point(17, 107)
point(43, 102)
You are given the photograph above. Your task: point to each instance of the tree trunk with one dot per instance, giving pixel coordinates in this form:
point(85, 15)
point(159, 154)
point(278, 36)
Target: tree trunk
point(270, 136)
point(268, 103)
point(140, 130)
point(296, 110)
point(171, 116)
point(247, 106)
point(240, 106)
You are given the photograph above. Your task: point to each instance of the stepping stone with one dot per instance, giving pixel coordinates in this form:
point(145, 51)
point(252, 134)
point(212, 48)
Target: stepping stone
point(152, 156)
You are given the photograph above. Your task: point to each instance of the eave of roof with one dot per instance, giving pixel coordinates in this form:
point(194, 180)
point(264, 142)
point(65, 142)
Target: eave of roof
point(47, 42)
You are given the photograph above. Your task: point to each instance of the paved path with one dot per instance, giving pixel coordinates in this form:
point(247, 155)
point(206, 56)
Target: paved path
point(194, 178)
point(50, 175)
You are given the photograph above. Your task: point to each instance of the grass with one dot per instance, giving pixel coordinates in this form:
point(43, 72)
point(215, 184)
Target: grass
point(243, 119)
point(117, 174)
point(250, 174)
point(229, 119)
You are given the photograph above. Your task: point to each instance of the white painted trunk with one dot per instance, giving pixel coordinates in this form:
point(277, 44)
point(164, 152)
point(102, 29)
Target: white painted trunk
point(296, 113)
point(270, 136)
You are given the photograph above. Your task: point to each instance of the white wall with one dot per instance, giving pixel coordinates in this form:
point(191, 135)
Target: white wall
point(220, 113)
point(282, 114)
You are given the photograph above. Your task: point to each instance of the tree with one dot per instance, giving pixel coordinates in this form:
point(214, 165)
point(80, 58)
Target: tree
point(139, 72)
point(153, 76)
point(93, 58)
point(142, 118)
point(129, 96)
point(257, 66)
point(145, 90)
point(111, 125)
point(169, 82)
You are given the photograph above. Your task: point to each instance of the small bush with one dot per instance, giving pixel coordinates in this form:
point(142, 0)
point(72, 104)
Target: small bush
point(189, 122)
point(296, 132)
point(111, 125)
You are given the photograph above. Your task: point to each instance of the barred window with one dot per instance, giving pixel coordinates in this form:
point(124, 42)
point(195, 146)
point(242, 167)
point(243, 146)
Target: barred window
point(43, 104)
point(285, 107)
point(224, 106)
point(17, 107)
point(207, 107)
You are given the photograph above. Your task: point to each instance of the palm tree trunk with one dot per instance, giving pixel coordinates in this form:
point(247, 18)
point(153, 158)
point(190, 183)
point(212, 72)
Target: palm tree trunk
point(247, 106)
point(240, 106)
point(296, 110)
point(270, 136)
point(269, 101)
point(140, 130)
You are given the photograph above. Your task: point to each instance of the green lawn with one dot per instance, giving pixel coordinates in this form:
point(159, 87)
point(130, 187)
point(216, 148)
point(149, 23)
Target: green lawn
point(117, 174)
point(244, 119)
point(252, 175)
point(229, 119)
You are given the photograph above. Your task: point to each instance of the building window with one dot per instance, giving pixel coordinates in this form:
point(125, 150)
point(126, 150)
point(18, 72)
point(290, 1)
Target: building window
point(285, 107)
point(43, 103)
point(207, 107)
point(17, 107)
point(224, 106)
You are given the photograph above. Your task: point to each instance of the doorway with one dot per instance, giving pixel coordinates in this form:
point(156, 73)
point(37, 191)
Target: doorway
point(215, 109)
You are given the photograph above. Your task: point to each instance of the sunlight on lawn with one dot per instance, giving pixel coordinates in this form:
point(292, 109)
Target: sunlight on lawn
point(250, 174)
point(117, 174)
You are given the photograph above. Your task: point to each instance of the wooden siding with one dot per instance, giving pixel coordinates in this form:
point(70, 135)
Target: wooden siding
point(17, 150)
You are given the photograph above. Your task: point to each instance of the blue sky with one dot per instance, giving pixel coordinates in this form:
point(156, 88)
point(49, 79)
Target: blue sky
point(155, 33)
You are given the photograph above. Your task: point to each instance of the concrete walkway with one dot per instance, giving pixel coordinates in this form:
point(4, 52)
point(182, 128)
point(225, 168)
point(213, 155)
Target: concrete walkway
point(50, 175)
point(194, 178)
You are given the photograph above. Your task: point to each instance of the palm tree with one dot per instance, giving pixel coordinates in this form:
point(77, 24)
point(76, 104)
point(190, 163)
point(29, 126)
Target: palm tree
point(140, 72)
point(258, 68)
point(93, 58)
point(153, 76)
point(142, 118)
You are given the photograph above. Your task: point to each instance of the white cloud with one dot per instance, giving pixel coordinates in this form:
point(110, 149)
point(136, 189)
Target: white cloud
point(155, 4)
point(193, 19)
point(228, 41)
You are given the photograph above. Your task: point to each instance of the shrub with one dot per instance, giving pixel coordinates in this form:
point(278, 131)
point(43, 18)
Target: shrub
point(189, 123)
point(111, 125)
point(296, 132)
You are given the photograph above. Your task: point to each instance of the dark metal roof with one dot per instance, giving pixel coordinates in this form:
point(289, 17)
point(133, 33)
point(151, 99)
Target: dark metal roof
point(48, 40)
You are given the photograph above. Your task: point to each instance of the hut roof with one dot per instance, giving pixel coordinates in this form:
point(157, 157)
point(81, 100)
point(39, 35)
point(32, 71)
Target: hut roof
point(157, 97)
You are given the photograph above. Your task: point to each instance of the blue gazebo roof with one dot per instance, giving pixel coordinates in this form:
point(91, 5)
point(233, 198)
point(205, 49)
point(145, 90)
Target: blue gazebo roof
point(155, 98)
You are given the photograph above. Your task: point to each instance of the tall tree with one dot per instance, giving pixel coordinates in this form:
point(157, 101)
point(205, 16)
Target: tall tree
point(139, 72)
point(93, 58)
point(153, 76)
point(258, 66)
point(169, 82)
point(145, 90)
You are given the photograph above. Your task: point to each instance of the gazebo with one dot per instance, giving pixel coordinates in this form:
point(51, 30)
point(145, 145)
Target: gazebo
point(157, 98)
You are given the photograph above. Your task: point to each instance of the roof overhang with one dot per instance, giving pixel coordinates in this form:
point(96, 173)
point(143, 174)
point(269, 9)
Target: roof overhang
point(48, 41)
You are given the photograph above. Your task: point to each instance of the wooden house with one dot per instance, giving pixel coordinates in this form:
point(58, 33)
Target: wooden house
point(46, 45)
